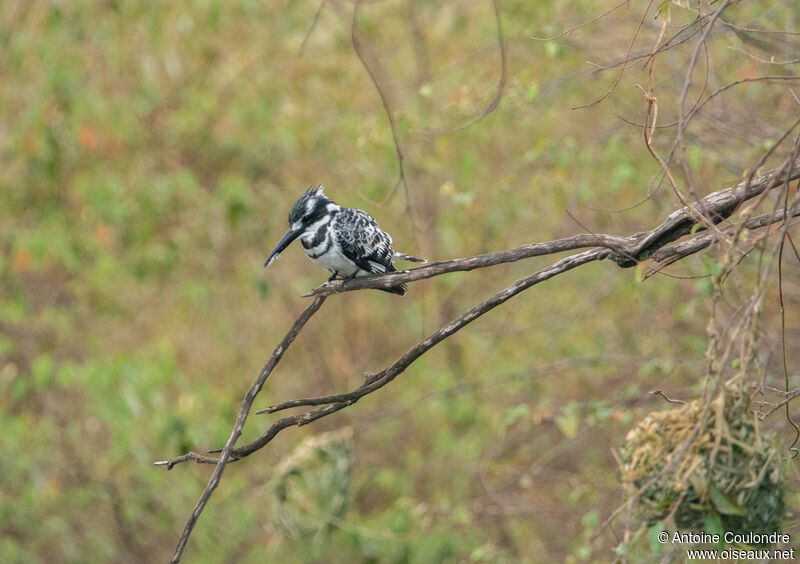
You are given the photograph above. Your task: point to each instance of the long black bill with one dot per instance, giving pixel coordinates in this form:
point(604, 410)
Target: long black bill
point(287, 239)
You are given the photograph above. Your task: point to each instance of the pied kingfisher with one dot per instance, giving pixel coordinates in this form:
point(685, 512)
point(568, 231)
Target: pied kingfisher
point(345, 241)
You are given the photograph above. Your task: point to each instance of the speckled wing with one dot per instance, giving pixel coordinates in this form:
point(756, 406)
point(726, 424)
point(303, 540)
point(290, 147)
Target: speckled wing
point(363, 242)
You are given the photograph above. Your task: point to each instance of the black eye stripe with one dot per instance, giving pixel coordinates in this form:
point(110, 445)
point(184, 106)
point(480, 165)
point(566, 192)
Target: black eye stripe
point(317, 212)
point(300, 211)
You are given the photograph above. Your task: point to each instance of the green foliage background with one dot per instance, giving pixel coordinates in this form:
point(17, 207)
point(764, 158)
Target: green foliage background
point(150, 152)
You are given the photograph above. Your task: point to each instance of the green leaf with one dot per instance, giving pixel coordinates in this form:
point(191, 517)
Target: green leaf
point(652, 537)
point(663, 10)
point(724, 504)
point(713, 526)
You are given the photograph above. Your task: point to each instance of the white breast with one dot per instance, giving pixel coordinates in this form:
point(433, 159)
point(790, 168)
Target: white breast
point(335, 261)
point(327, 252)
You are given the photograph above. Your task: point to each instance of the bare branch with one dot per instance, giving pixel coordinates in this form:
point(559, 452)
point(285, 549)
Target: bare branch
point(628, 251)
point(686, 248)
point(625, 251)
point(430, 270)
point(376, 381)
point(244, 411)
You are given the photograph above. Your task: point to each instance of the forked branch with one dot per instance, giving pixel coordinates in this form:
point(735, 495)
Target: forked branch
point(625, 251)
point(244, 411)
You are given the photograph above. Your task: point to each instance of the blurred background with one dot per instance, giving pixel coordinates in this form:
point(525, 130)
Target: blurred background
point(150, 153)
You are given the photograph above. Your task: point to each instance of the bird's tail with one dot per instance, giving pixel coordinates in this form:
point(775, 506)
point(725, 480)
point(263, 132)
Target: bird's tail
point(400, 289)
point(409, 258)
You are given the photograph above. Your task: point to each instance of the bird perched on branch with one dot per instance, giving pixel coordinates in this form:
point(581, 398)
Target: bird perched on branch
point(345, 241)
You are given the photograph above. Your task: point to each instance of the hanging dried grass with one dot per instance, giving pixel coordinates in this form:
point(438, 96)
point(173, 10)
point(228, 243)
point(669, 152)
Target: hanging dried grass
point(695, 462)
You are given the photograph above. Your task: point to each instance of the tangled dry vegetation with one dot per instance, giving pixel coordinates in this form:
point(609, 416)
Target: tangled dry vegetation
point(706, 465)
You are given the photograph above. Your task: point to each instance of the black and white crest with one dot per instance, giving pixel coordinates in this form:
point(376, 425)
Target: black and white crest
point(313, 202)
point(347, 242)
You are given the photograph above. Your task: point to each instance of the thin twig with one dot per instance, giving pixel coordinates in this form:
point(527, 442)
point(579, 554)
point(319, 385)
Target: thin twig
point(714, 94)
point(784, 234)
point(701, 43)
point(501, 82)
point(401, 179)
point(584, 24)
point(312, 26)
point(624, 63)
point(670, 400)
point(792, 396)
